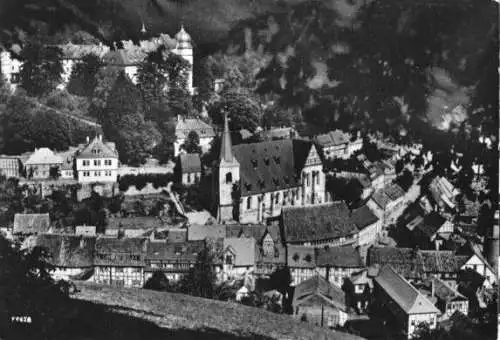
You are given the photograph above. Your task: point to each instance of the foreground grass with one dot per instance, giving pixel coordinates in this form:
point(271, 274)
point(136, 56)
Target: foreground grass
point(178, 312)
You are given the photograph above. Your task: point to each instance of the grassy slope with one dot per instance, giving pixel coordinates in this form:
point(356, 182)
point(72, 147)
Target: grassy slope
point(180, 312)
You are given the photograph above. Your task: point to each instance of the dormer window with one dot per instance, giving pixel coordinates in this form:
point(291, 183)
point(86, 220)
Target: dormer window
point(248, 186)
point(254, 163)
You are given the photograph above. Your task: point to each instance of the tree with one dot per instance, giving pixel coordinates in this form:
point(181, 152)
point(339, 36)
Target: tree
point(124, 99)
point(243, 108)
point(105, 81)
point(83, 79)
point(42, 68)
point(192, 143)
point(51, 130)
point(152, 79)
point(16, 125)
point(200, 280)
point(158, 281)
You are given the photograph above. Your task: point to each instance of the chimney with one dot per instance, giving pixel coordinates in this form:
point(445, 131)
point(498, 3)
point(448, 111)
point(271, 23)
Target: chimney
point(433, 288)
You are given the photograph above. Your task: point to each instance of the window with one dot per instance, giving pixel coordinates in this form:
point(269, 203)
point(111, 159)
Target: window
point(118, 270)
point(317, 178)
point(86, 163)
point(97, 173)
point(107, 162)
point(189, 178)
point(229, 259)
point(108, 173)
point(277, 198)
point(229, 178)
point(249, 202)
point(97, 162)
point(307, 179)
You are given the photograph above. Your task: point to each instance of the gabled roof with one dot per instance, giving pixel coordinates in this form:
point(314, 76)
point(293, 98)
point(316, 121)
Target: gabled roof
point(201, 232)
point(444, 292)
point(333, 138)
point(31, 223)
point(431, 224)
point(300, 256)
point(185, 251)
point(345, 257)
point(257, 231)
point(388, 194)
point(416, 264)
point(403, 293)
point(120, 252)
point(70, 251)
point(185, 125)
point(43, 156)
point(363, 217)
point(98, 149)
point(272, 165)
point(244, 249)
point(319, 288)
point(190, 162)
point(315, 223)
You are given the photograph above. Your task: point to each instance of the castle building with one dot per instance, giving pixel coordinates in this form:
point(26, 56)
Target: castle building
point(129, 57)
point(252, 182)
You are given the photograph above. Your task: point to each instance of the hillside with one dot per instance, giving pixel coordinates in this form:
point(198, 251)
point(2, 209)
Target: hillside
point(178, 312)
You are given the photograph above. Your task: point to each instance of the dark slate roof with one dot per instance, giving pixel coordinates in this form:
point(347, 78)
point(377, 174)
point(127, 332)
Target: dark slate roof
point(315, 223)
point(300, 256)
point(98, 149)
point(446, 293)
point(346, 257)
point(431, 223)
point(125, 252)
point(320, 288)
point(185, 251)
point(272, 165)
point(257, 231)
point(416, 264)
point(31, 223)
point(403, 293)
point(363, 217)
point(70, 251)
point(190, 162)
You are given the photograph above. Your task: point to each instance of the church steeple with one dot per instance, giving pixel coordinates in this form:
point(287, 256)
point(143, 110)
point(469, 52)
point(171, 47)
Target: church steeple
point(226, 154)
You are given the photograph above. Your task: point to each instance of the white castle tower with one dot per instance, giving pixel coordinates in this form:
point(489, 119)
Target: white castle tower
point(184, 48)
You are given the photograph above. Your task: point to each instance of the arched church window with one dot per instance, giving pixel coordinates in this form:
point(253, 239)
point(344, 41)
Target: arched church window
point(229, 177)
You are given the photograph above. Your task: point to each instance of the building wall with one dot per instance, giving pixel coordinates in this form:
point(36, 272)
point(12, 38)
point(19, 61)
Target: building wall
point(119, 276)
point(478, 265)
point(341, 241)
point(451, 307)
point(10, 68)
point(301, 274)
point(40, 171)
point(313, 179)
point(191, 178)
point(369, 234)
point(96, 170)
point(332, 317)
point(337, 274)
point(61, 273)
point(10, 167)
point(415, 320)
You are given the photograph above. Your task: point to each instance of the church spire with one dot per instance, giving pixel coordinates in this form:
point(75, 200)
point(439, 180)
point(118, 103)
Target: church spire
point(226, 153)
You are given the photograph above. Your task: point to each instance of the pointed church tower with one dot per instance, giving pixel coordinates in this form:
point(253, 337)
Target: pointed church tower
point(226, 175)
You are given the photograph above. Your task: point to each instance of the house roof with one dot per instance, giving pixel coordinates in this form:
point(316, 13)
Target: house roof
point(333, 138)
point(321, 222)
point(403, 293)
point(257, 231)
point(416, 264)
point(31, 223)
point(301, 256)
point(43, 156)
point(362, 278)
point(388, 194)
point(444, 292)
point(185, 126)
point(177, 235)
point(120, 252)
point(363, 217)
point(318, 287)
point(272, 165)
point(190, 162)
point(346, 257)
point(184, 251)
point(431, 223)
point(200, 232)
point(412, 216)
point(70, 251)
point(244, 249)
point(139, 222)
point(278, 133)
point(98, 149)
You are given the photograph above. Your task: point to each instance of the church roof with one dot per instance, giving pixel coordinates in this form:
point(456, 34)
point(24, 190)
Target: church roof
point(98, 149)
point(272, 165)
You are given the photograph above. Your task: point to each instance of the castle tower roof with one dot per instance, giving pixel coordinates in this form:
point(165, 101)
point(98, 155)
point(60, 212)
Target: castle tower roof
point(183, 39)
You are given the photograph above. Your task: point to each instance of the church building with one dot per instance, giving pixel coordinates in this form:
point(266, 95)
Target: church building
point(252, 182)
